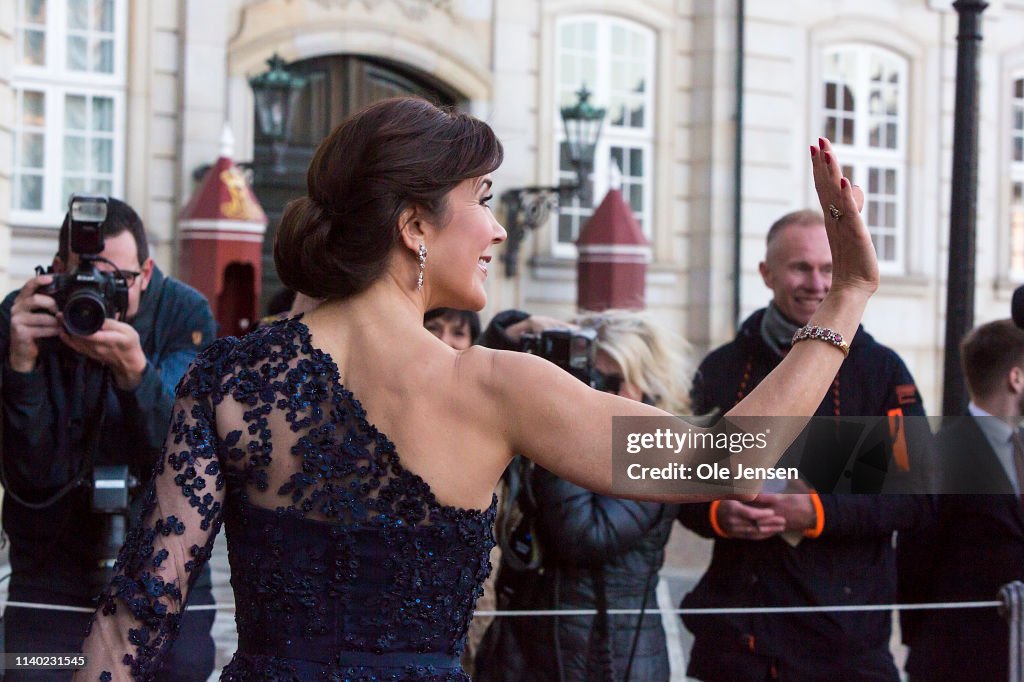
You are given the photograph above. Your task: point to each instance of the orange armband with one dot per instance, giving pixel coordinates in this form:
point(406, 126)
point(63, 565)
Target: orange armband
point(819, 518)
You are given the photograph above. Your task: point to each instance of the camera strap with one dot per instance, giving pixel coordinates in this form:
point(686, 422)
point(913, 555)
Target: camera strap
point(90, 442)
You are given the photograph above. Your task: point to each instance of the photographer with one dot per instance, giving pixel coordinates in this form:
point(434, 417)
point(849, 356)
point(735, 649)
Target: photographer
point(565, 547)
point(91, 355)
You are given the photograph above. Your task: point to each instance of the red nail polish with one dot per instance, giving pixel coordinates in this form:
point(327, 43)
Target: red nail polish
point(814, 151)
point(844, 183)
point(821, 141)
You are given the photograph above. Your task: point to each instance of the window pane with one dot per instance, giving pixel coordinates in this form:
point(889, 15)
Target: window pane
point(616, 156)
point(619, 41)
point(35, 11)
point(830, 95)
point(890, 182)
point(78, 14)
point(636, 198)
point(873, 213)
point(1017, 229)
point(875, 136)
point(847, 131)
point(105, 19)
point(620, 79)
point(890, 136)
point(616, 111)
point(33, 50)
point(31, 195)
point(888, 250)
point(103, 59)
point(74, 153)
point(830, 127)
point(848, 98)
point(873, 183)
point(1018, 88)
point(1018, 149)
point(103, 114)
point(637, 116)
point(102, 158)
point(565, 229)
point(74, 112)
point(33, 109)
point(890, 214)
point(638, 48)
point(102, 187)
point(636, 162)
point(588, 36)
point(32, 150)
point(568, 36)
point(72, 185)
point(78, 53)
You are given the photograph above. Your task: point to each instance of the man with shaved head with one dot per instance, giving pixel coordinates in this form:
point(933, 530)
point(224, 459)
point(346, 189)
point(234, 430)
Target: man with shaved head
point(797, 547)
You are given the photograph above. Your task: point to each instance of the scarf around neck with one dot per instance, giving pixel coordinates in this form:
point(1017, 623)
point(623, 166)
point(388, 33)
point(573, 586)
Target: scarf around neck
point(777, 331)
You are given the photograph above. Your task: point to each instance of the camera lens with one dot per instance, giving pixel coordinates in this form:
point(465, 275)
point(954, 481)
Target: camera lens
point(84, 313)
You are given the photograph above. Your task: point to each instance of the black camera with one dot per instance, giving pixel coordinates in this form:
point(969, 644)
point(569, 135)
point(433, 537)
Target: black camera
point(87, 295)
point(571, 349)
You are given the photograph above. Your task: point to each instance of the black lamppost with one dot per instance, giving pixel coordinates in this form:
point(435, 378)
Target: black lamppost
point(275, 91)
point(526, 208)
point(963, 209)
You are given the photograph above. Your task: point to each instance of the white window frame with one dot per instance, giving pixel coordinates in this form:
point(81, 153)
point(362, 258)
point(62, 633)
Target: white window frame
point(1015, 224)
point(859, 157)
point(56, 81)
point(641, 138)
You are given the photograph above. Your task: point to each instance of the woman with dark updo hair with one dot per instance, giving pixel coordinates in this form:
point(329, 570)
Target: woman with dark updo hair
point(353, 456)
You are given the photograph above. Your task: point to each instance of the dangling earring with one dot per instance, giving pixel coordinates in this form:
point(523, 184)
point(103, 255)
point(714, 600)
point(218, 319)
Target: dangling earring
point(423, 265)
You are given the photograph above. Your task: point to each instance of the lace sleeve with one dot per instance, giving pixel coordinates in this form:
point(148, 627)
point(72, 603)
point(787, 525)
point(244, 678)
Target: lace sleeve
point(138, 615)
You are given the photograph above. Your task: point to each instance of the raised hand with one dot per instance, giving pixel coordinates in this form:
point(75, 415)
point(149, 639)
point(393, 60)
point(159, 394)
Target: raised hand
point(854, 263)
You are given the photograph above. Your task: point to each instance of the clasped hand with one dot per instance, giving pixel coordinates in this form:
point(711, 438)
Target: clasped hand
point(767, 515)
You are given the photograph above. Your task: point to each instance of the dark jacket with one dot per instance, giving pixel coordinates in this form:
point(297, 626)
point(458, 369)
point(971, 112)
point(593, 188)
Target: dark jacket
point(851, 562)
point(973, 545)
point(595, 550)
point(52, 414)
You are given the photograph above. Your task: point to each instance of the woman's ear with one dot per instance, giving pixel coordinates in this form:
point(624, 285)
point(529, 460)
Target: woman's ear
point(411, 228)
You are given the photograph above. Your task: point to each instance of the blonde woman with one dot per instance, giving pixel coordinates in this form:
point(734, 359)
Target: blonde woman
point(597, 552)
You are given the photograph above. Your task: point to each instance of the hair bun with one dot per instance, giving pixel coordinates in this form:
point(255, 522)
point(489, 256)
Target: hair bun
point(303, 237)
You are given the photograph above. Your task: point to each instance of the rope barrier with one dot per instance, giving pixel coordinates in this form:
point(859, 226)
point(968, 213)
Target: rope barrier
point(634, 612)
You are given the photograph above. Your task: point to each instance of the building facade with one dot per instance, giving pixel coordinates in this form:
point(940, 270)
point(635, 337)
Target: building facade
point(129, 97)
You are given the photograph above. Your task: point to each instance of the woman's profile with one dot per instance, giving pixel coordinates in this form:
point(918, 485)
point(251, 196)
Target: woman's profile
point(351, 455)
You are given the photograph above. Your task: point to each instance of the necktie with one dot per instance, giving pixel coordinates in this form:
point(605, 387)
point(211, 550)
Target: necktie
point(1018, 461)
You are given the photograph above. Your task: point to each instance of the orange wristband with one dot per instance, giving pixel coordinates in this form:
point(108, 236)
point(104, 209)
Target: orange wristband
point(713, 517)
point(819, 520)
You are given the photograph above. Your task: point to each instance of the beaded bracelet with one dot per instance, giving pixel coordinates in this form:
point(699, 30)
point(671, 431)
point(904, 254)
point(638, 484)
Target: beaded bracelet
point(825, 334)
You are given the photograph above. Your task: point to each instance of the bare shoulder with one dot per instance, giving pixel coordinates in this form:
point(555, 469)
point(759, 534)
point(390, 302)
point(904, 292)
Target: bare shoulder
point(509, 375)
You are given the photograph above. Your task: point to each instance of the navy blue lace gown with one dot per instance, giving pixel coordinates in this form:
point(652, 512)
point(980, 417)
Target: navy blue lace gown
point(344, 565)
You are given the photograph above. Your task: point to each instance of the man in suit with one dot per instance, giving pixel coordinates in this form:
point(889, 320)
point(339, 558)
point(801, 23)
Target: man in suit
point(974, 543)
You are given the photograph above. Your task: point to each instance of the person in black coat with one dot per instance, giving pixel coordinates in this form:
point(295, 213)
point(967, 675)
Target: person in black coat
point(596, 552)
point(802, 548)
point(975, 542)
point(72, 402)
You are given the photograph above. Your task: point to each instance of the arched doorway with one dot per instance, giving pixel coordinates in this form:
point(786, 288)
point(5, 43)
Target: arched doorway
point(336, 86)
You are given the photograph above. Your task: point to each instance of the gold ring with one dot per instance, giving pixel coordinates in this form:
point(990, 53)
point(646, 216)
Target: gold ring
point(835, 212)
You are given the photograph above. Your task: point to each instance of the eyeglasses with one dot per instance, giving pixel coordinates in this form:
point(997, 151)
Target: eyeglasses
point(129, 276)
point(610, 383)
